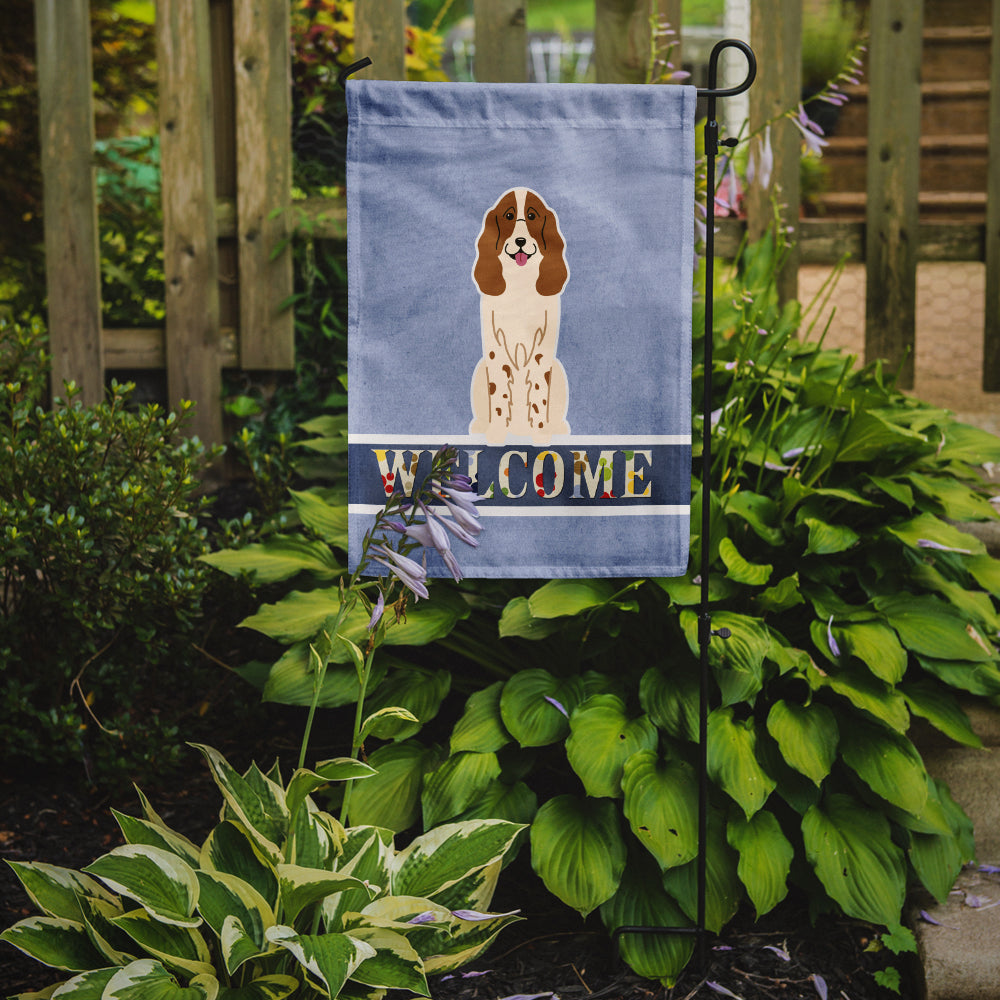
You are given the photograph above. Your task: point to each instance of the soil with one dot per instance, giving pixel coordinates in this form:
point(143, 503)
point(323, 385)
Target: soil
point(54, 819)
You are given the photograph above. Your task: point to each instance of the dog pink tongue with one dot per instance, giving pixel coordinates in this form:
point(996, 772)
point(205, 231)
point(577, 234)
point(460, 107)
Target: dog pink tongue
point(520, 258)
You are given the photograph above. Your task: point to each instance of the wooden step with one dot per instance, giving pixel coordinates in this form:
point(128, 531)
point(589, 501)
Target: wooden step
point(947, 106)
point(956, 53)
point(957, 206)
point(947, 162)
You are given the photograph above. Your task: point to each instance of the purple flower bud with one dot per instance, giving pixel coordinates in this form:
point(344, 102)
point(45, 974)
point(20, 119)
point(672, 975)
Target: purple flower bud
point(927, 543)
point(820, 983)
point(834, 648)
point(377, 611)
point(558, 705)
point(427, 917)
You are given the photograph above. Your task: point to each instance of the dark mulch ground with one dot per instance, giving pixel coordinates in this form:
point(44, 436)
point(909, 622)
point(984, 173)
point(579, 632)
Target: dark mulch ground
point(57, 820)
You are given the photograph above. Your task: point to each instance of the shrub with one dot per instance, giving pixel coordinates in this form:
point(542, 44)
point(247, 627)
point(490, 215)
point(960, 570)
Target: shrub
point(280, 899)
point(99, 539)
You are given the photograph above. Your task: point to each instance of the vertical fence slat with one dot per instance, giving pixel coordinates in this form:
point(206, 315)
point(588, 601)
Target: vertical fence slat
point(776, 35)
point(72, 257)
point(380, 34)
point(892, 215)
point(670, 12)
point(261, 41)
point(501, 41)
point(621, 40)
point(190, 253)
point(991, 332)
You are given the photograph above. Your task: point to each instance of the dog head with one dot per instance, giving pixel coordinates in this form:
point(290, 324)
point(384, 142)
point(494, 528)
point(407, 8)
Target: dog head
point(520, 238)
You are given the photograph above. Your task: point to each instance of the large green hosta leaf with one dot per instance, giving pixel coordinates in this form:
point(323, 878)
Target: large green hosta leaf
point(328, 520)
point(535, 706)
point(416, 689)
point(765, 858)
point(807, 736)
point(642, 902)
point(932, 628)
point(738, 661)
point(732, 760)
point(661, 806)
point(481, 727)
point(941, 709)
point(558, 598)
point(876, 646)
point(739, 569)
point(456, 784)
point(279, 558)
point(391, 798)
point(602, 738)
point(671, 699)
point(578, 851)
point(888, 763)
point(850, 848)
point(928, 528)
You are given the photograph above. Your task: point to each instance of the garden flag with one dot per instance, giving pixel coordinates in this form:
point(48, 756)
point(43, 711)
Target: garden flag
point(520, 262)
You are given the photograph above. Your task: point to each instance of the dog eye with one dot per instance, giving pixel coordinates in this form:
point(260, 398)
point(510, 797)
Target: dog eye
point(510, 215)
point(531, 214)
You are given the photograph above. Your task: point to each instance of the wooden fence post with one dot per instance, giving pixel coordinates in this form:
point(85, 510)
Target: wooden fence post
point(776, 35)
point(190, 251)
point(501, 41)
point(380, 34)
point(622, 40)
point(72, 255)
point(893, 183)
point(991, 332)
point(262, 60)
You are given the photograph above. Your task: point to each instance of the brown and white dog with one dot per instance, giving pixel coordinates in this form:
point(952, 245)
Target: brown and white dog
point(519, 386)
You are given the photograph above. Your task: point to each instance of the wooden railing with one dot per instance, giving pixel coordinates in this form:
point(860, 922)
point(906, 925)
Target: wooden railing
point(226, 161)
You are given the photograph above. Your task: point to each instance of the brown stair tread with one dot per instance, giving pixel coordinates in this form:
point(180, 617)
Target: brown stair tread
point(935, 89)
point(846, 145)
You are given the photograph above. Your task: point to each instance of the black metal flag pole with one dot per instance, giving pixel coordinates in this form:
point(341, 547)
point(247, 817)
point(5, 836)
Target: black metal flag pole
point(705, 631)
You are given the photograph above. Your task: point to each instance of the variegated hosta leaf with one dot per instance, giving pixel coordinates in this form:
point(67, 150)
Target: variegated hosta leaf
point(481, 727)
point(466, 941)
point(225, 897)
point(98, 915)
point(56, 891)
point(456, 784)
point(661, 799)
point(256, 801)
point(732, 760)
point(367, 853)
point(476, 890)
point(807, 736)
point(141, 831)
point(177, 947)
point(315, 838)
point(395, 964)
point(54, 941)
point(578, 851)
point(602, 737)
point(441, 857)
point(273, 987)
point(304, 782)
point(230, 849)
point(158, 880)
point(300, 887)
point(391, 799)
point(147, 979)
point(850, 847)
point(888, 763)
point(86, 986)
point(535, 706)
point(723, 889)
point(642, 902)
point(765, 858)
point(329, 959)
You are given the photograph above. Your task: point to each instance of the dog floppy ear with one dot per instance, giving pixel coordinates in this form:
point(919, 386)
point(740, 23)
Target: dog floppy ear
point(553, 272)
point(487, 272)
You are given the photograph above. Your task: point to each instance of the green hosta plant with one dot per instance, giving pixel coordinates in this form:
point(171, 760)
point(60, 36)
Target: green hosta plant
point(280, 899)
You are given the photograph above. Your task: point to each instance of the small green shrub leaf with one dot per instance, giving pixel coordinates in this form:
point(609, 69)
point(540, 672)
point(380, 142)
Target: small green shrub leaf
point(850, 848)
point(577, 850)
point(601, 739)
point(481, 727)
point(807, 736)
point(732, 760)
point(765, 858)
point(327, 520)
point(535, 706)
point(661, 799)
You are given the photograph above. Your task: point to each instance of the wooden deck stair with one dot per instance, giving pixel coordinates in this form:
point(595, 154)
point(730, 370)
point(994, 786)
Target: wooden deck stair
point(955, 94)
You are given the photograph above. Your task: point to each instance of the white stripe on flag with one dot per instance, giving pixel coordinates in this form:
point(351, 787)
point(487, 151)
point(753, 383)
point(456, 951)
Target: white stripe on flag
point(668, 510)
point(563, 440)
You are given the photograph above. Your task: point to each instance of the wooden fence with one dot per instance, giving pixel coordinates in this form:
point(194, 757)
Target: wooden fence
point(226, 160)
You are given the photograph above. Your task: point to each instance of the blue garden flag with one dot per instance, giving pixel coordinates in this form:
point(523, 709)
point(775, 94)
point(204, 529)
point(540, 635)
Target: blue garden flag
point(520, 273)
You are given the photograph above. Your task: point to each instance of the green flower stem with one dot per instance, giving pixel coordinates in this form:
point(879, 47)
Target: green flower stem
point(357, 738)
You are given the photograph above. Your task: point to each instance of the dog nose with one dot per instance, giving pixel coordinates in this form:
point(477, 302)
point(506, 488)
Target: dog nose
point(520, 241)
